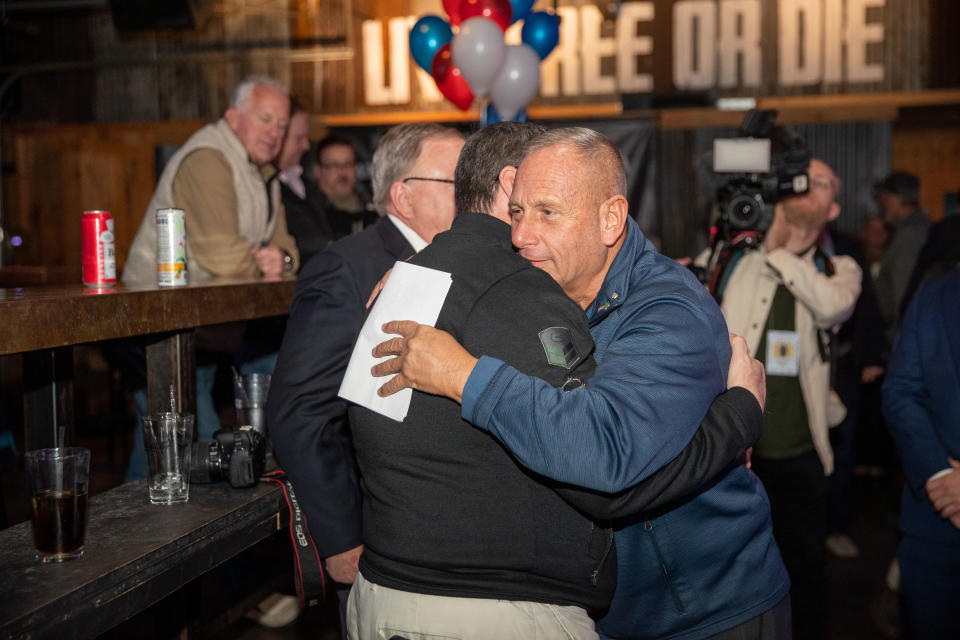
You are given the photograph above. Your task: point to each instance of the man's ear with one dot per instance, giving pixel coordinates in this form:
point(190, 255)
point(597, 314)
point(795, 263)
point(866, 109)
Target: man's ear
point(613, 219)
point(232, 116)
point(834, 212)
point(400, 201)
point(506, 178)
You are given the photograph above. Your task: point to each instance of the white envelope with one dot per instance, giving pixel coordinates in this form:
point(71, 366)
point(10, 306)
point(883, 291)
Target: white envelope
point(411, 293)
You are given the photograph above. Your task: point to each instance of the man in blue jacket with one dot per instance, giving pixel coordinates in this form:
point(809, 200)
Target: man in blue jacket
point(707, 568)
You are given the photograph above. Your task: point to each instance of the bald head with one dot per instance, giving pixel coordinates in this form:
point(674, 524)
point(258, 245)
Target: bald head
point(597, 154)
point(567, 209)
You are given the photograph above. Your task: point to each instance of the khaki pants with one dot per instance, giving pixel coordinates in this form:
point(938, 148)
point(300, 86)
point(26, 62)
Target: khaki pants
point(378, 613)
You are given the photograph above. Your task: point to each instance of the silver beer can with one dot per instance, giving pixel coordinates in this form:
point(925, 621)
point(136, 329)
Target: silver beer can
point(171, 248)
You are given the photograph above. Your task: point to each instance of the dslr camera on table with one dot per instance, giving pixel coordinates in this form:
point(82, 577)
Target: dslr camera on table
point(237, 455)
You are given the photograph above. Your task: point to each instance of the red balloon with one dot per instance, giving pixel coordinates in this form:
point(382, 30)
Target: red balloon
point(449, 80)
point(500, 11)
point(452, 7)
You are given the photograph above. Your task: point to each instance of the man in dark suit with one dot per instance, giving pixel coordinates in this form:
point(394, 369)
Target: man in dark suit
point(921, 403)
point(302, 200)
point(413, 187)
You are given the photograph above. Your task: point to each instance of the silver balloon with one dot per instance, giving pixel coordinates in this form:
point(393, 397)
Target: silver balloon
point(518, 81)
point(478, 50)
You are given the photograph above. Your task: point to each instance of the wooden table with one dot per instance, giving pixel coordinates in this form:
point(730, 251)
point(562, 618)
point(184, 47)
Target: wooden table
point(135, 555)
point(43, 322)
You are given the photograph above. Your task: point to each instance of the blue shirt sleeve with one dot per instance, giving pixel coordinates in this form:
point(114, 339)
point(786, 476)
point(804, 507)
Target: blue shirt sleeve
point(665, 363)
point(483, 372)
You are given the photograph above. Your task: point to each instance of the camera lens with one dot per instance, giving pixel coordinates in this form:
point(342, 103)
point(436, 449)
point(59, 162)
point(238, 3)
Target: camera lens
point(745, 211)
point(206, 462)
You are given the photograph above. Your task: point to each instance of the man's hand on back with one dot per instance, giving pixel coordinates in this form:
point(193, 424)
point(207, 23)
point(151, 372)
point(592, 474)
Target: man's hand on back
point(746, 371)
point(428, 360)
point(343, 567)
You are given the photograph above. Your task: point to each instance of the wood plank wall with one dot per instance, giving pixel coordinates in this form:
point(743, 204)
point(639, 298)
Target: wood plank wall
point(60, 171)
point(315, 46)
point(929, 146)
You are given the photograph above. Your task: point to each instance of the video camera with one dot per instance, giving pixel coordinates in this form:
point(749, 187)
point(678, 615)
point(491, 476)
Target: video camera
point(768, 163)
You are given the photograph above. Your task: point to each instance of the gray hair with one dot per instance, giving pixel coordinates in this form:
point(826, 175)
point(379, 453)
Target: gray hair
point(397, 151)
point(596, 149)
point(484, 155)
point(243, 91)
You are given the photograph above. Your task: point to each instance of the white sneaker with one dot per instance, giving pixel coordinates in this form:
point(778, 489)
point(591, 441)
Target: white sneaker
point(276, 610)
point(842, 546)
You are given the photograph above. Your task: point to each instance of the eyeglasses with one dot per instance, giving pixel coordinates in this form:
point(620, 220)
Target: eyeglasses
point(428, 179)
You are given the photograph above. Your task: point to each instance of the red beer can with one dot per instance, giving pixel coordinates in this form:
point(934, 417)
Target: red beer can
point(98, 250)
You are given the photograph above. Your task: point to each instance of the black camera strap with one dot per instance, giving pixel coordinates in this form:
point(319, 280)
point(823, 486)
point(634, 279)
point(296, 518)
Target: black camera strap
point(308, 578)
point(724, 256)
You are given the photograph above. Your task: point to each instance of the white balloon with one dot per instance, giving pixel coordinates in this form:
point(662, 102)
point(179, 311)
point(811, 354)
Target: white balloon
point(517, 82)
point(478, 51)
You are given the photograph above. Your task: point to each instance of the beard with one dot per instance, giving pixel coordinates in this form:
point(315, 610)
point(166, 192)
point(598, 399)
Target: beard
point(803, 215)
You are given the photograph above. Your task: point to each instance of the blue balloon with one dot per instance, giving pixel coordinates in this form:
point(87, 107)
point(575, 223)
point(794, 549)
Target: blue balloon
point(489, 115)
point(426, 37)
point(521, 8)
point(541, 30)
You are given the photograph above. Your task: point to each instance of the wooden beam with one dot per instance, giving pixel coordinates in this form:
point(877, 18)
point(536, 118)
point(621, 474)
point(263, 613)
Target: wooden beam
point(543, 112)
point(793, 109)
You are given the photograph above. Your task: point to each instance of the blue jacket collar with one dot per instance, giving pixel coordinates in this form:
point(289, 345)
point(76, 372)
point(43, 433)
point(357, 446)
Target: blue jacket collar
point(616, 284)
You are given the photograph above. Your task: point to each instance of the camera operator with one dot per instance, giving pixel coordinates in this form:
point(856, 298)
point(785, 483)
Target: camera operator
point(784, 295)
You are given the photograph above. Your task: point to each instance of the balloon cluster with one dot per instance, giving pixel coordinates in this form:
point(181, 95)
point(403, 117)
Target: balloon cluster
point(476, 61)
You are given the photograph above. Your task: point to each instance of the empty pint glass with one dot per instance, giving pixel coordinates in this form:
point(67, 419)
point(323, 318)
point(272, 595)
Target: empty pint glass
point(167, 438)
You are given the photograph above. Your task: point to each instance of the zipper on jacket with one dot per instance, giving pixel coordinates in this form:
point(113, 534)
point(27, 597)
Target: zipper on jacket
point(648, 527)
point(603, 558)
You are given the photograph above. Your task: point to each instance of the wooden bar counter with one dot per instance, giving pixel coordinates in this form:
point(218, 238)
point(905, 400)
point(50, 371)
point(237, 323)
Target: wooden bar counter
point(45, 317)
point(135, 555)
point(44, 322)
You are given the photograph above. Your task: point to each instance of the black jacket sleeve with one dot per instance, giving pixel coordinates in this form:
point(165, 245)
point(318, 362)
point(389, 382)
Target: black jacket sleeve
point(733, 423)
point(519, 308)
point(307, 421)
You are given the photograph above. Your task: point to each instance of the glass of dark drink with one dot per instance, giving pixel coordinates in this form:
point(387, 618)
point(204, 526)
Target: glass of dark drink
point(58, 490)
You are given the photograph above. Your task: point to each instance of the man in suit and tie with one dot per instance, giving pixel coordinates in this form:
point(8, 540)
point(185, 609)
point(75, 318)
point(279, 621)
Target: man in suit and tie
point(413, 188)
point(921, 404)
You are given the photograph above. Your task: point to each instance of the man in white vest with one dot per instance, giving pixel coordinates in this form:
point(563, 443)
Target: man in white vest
point(224, 180)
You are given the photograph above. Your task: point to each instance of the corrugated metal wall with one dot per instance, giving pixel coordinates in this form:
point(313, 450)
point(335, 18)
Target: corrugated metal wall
point(858, 152)
point(315, 46)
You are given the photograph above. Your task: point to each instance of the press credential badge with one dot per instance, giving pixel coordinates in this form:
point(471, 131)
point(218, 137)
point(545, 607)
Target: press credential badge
point(782, 349)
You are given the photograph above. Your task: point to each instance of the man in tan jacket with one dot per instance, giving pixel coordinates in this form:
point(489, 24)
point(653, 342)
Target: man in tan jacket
point(224, 180)
point(785, 297)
